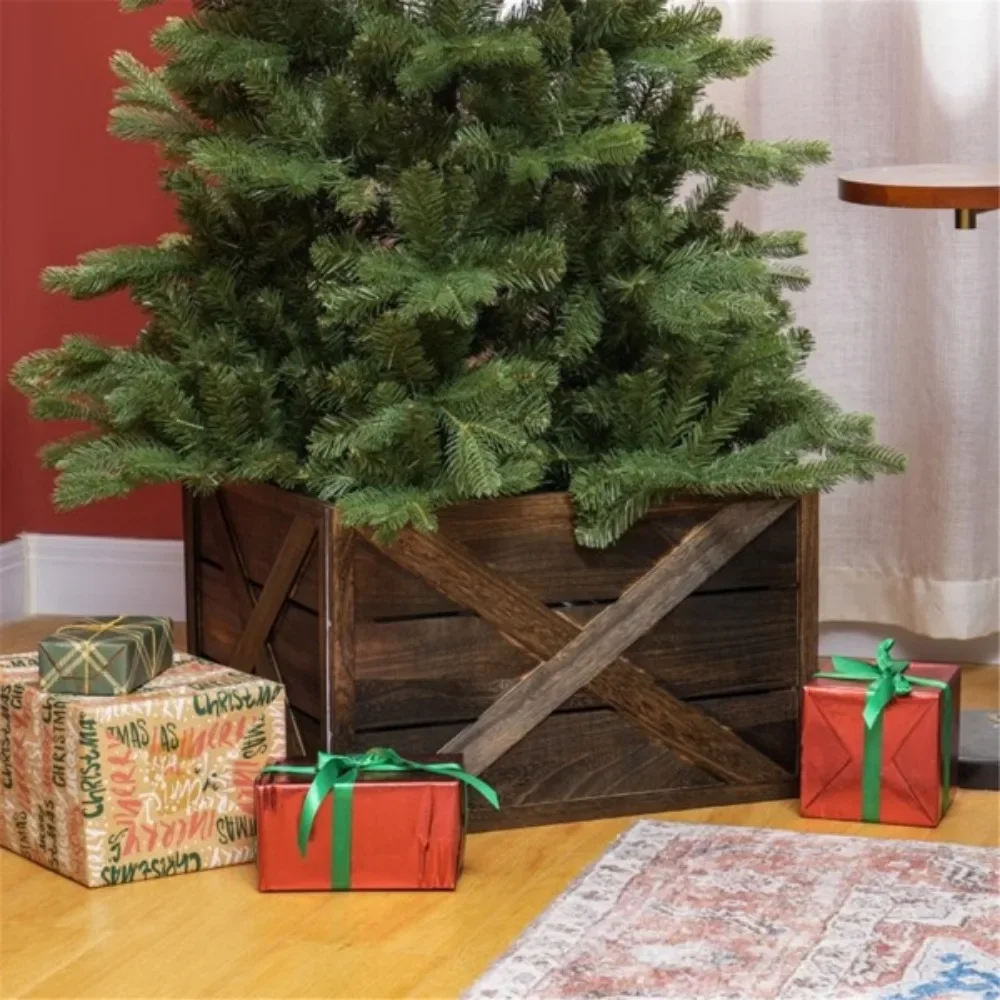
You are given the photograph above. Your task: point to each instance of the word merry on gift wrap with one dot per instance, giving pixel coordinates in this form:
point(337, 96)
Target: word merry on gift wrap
point(54, 715)
point(173, 864)
point(21, 826)
point(142, 838)
point(91, 780)
point(221, 735)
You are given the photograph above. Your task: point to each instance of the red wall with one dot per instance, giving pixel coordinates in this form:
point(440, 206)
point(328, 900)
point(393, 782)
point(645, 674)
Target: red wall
point(68, 187)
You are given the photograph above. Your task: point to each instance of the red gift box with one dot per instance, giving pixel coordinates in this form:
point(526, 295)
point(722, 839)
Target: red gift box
point(914, 785)
point(402, 826)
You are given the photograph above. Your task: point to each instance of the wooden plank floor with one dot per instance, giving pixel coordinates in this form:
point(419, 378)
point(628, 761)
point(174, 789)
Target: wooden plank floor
point(213, 935)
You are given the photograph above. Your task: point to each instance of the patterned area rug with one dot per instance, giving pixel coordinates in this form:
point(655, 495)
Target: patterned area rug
point(676, 911)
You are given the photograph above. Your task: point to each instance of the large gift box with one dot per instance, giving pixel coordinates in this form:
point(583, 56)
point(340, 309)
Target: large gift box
point(153, 783)
point(880, 740)
point(373, 820)
point(104, 656)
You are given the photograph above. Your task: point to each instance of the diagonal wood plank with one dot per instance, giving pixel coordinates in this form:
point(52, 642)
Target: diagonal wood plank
point(277, 587)
point(255, 612)
point(592, 655)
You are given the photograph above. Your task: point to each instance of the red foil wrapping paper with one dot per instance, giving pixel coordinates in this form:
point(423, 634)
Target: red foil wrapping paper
point(833, 749)
point(408, 832)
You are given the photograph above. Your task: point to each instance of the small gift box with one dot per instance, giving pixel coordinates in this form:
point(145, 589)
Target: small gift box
point(105, 656)
point(156, 782)
point(373, 820)
point(880, 740)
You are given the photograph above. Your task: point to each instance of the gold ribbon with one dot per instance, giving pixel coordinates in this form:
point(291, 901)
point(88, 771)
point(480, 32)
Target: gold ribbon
point(86, 657)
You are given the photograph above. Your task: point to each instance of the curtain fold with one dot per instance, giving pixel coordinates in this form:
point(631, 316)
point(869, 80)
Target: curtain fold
point(903, 306)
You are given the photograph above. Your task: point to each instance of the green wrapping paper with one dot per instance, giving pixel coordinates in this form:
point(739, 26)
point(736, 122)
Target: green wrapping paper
point(105, 656)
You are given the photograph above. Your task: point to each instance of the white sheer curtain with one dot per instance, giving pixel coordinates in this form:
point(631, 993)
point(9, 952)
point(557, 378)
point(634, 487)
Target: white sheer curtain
point(903, 306)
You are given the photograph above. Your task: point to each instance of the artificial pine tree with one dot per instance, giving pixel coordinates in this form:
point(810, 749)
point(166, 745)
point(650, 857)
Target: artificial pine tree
point(433, 251)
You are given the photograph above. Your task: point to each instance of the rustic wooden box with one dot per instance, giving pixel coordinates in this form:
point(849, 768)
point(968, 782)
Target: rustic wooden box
point(373, 652)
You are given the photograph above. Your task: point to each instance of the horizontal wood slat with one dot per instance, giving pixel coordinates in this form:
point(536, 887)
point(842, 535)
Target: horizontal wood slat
point(591, 754)
point(538, 553)
point(452, 668)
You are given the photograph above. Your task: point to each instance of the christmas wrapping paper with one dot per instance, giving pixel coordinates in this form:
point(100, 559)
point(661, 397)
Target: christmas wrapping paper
point(153, 783)
point(367, 821)
point(105, 656)
point(900, 769)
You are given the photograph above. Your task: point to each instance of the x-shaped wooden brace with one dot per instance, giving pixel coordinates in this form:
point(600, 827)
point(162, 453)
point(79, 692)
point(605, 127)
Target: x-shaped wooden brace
point(572, 657)
point(257, 615)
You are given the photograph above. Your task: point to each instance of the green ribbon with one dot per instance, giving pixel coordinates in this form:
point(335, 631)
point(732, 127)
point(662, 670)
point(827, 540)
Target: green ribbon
point(888, 680)
point(337, 774)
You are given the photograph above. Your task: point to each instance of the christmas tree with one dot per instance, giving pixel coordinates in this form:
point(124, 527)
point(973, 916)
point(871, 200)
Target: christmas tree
point(432, 250)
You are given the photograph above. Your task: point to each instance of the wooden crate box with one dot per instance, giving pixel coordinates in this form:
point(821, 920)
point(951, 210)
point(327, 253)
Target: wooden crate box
point(664, 672)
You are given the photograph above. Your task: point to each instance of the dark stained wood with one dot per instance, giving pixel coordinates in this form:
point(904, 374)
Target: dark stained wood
point(336, 631)
point(294, 639)
point(731, 652)
point(192, 598)
point(930, 185)
point(808, 587)
point(528, 539)
point(265, 662)
point(449, 568)
point(452, 668)
point(606, 637)
point(594, 754)
point(257, 628)
point(259, 532)
point(310, 731)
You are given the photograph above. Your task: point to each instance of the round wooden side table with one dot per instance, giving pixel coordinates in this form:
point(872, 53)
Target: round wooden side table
point(968, 190)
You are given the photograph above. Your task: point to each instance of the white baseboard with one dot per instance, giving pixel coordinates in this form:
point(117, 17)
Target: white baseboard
point(78, 575)
point(13, 582)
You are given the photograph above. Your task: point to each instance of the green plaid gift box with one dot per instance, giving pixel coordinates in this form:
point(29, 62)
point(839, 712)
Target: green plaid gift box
point(105, 656)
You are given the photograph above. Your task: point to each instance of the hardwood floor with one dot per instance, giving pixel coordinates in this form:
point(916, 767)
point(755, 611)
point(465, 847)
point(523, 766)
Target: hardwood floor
point(213, 935)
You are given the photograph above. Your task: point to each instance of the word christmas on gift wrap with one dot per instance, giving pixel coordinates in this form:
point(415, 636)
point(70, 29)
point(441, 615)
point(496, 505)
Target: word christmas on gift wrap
point(11, 700)
point(91, 780)
point(54, 758)
point(177, 863)
point(234, 701)
point(140, 838)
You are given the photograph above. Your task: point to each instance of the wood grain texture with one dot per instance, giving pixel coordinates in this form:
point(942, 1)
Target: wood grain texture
point(264, 660)
point(450, 569)
point(451, 668)
point(527, 539)
point(606, 637)
point(268, 604)
point(594, 755)
point(213, 935)
point(931, 185)
point(294, 639)
point(807, 578)
point(337, 631)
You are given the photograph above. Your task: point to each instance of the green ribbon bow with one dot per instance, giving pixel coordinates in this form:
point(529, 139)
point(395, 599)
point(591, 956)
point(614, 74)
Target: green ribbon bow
point(888, 680)
point(338, 773)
